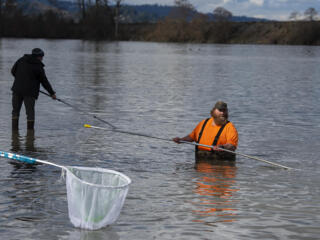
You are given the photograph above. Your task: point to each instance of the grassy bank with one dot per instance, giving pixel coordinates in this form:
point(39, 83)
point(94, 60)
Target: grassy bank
point(291, 33)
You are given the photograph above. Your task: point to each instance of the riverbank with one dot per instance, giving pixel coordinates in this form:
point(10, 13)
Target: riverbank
point(283, 33)
point(170, 30)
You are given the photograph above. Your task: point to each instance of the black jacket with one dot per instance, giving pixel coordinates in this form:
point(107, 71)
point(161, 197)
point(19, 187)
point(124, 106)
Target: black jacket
point(28, 72)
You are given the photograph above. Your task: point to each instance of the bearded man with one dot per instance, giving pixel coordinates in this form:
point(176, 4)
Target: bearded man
point(216, 131)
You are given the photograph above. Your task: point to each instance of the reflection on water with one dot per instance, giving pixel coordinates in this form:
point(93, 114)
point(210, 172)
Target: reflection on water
point(215, 189)
point(15, 141)
point(104, 234)
point(29, 141)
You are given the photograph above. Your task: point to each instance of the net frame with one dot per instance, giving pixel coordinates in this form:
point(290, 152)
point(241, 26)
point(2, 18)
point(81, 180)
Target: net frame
point(91, 205)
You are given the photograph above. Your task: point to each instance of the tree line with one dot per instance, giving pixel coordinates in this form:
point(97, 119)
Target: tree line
point(184, 24)
point(99, 20)
point(95, 20)
point(310, 14)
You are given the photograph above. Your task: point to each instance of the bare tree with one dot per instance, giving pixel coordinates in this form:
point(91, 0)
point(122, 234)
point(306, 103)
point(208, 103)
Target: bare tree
point(294, 16)
point(221, 30)
point(117, 8)
point(1, 19)
point(310, 14)
point(184, 4)
point(199, 27)
point(183, 10)
point(102, 3)
point(99, 22)
point(82, 7)
point(53, 2)
point(221, 14)
point(10, 7)
point(1, 2)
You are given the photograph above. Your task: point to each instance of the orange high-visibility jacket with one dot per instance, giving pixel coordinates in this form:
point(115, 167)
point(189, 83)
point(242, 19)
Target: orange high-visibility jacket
point(228, 135)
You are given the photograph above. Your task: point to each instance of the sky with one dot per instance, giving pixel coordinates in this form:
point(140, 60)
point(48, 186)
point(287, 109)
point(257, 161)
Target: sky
point(270, 9)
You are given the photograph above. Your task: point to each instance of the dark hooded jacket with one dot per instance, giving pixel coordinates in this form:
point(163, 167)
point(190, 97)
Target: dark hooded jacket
point(28, 72)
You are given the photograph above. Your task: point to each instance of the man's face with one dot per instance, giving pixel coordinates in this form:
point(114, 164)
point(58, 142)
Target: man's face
point(220, 116)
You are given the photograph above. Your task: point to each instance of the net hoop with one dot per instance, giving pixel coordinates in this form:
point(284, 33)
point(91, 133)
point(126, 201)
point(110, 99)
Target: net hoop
point(103, 170)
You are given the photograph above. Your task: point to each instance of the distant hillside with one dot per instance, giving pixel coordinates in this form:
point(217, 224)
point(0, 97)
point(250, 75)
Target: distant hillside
point(242, 18)
point(34, 7)
point(144, 13)
point(155, 12)
point(129, 13)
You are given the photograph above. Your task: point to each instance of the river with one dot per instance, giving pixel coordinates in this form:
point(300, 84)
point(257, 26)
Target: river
point(164, 90)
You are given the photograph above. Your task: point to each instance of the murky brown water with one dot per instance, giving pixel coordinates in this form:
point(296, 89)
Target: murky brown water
point(164, 90)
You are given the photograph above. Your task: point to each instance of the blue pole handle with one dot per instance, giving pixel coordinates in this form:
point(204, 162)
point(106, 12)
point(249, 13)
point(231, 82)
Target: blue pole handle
point(18, 157)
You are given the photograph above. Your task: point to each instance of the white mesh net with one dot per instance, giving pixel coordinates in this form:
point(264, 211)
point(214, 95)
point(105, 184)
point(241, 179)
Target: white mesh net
point(95, 196)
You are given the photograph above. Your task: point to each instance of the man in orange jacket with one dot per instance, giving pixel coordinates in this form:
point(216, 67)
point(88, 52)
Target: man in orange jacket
point(216, 131)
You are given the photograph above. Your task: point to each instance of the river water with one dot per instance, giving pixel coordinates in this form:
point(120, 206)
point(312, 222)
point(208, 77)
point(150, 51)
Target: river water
point(164, 90)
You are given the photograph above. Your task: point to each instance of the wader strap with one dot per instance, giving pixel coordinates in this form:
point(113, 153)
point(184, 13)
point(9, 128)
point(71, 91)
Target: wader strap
point(200, 134)
point(218, 134)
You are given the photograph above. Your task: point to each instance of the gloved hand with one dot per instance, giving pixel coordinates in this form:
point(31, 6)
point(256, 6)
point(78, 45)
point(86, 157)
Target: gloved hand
point(176, 139)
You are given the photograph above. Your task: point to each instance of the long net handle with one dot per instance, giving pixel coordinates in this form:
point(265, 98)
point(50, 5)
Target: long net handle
point(126, 132)
point(191, 143)
point(79, 110)
point(26, 159)
point(241, 154)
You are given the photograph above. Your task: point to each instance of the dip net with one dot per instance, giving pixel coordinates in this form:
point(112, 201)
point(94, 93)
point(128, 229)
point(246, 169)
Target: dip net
point(95, 196)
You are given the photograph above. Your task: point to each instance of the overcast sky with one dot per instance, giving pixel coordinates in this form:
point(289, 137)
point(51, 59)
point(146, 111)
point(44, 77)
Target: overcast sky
point(271, 9)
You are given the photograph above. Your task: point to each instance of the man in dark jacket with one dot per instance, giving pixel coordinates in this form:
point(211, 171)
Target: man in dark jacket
point(28, 72)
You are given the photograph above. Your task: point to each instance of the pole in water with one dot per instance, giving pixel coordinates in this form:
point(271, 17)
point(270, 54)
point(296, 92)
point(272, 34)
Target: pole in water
point(192, 143)
point(241, 154)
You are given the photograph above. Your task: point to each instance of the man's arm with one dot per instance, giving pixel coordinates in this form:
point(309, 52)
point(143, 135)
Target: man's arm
point(186, 139)
point(46, 84)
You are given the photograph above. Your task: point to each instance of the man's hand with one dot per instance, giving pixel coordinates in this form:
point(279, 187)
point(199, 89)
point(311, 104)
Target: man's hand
point(53, 96)
point(186, 139)
point(227, 146)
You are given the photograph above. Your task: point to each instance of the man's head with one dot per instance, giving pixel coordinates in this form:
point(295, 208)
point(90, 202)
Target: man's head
point(220, 113)
point(37, 52)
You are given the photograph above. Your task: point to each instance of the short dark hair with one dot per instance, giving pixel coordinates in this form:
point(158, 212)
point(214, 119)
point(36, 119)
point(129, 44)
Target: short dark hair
point(221, 105)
